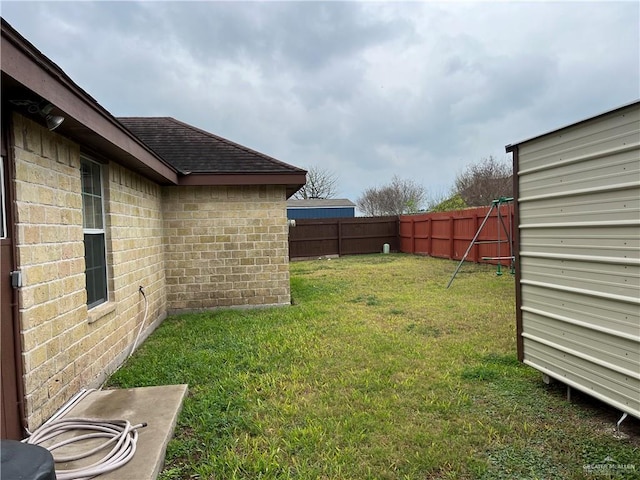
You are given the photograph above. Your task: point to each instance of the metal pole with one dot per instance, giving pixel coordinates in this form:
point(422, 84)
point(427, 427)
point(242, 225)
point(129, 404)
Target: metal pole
point(499, 270)
point(493, 204)
point(513, 262)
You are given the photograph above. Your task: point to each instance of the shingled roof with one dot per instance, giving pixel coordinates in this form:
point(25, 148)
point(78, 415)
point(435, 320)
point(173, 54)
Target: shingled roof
point(191, 150)
point(203, 158)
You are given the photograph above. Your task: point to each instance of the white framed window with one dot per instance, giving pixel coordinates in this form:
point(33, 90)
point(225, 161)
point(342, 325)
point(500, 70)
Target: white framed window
point(95, 253)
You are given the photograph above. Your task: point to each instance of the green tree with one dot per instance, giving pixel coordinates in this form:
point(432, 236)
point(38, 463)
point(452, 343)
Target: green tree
point(456, 202)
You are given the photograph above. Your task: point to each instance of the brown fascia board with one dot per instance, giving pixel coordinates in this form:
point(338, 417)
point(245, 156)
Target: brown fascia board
point(29, 67)
point(292, 181)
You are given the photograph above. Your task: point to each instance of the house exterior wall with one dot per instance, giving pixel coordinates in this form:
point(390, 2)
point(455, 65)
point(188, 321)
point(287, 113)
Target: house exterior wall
point(65, 346)
point(579, 256)
point(190, 248)
point(225, 247)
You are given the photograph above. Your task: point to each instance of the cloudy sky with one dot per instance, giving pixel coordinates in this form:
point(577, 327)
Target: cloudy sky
point(363, 89)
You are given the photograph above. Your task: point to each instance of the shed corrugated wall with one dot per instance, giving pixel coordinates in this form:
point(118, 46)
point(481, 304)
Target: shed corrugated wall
point(578, 211)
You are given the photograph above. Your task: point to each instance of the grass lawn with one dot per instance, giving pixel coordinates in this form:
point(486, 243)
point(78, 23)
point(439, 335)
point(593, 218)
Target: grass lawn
point(376, 372)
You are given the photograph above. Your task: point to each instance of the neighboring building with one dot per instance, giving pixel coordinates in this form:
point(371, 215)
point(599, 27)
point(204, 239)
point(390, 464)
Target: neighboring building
point(94, 208)
point(577, 195)
point(320, 208)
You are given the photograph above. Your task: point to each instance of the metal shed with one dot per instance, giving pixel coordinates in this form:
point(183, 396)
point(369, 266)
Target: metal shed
point(577, 193)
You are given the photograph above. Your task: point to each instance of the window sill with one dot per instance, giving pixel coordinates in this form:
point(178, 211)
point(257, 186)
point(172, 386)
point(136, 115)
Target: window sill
point(101, 311)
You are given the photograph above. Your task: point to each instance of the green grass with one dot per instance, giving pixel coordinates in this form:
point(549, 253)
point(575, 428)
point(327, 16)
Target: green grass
point(375, 372)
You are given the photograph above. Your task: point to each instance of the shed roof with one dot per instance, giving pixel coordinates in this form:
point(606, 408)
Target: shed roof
point(319, 203)
point(510, 147)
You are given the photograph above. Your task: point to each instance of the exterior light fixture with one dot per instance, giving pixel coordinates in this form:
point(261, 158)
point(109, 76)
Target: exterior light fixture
point(53, 121)
point(33, 107)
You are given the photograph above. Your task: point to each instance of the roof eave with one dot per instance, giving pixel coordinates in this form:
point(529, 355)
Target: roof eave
point(87, 122)
point(292, 181)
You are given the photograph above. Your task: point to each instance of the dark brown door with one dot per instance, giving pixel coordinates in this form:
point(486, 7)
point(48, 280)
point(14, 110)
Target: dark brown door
point(10, 419)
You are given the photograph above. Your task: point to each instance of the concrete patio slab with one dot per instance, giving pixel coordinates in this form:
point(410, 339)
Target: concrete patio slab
point(157, 406)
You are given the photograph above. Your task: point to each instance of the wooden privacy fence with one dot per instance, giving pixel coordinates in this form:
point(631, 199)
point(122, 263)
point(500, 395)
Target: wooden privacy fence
point(445, 235)
point(342, 236)
point(448, 234)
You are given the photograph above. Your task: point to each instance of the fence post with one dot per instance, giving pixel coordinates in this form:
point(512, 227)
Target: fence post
point(339, 237)
point(413, 235)
point(452, 237)
point(429, 237)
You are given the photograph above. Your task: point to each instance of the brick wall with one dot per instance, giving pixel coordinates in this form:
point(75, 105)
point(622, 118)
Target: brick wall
point(191, 248)
point(135, 251)
point(65, 346)
point(225, 246)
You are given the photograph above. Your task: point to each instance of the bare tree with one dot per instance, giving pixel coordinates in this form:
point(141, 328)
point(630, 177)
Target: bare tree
point(398, 197)
point(481, 183)
point(321, 183)
point(368, 202)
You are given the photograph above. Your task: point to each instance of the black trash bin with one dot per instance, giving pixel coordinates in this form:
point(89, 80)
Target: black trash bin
point(21, 461)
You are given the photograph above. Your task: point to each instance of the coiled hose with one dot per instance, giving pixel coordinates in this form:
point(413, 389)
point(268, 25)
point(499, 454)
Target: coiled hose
point(121, 437)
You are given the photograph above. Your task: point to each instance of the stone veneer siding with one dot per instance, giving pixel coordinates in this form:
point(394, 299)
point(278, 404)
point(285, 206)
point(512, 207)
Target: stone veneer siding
point(65, 346)
point(225, 247)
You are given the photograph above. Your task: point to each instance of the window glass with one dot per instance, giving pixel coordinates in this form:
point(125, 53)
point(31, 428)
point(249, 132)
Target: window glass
point(94, 235)
point(96, 271)
point(91, 195)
